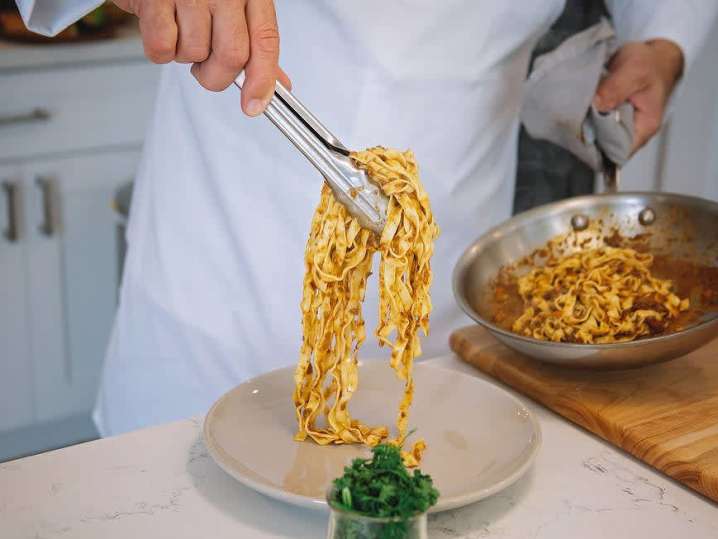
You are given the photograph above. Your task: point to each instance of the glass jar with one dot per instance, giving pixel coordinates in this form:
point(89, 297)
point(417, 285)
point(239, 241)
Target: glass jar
point(345, 524)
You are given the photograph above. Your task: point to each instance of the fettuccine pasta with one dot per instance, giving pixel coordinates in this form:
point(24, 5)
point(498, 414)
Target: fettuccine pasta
point(338, 261)
point(600, 295)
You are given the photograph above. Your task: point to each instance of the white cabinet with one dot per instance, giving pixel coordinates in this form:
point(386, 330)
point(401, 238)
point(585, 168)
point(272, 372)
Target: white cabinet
point(71, 131)
point(16, 377)
point(76, 108)
point(58, 264)
point(72, 274)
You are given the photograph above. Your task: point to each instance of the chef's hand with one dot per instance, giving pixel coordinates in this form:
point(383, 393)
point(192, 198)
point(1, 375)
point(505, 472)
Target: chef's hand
point(220, 37)
point(643, 74)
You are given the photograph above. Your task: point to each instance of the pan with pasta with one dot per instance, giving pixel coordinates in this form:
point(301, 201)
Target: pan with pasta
point(601, 281)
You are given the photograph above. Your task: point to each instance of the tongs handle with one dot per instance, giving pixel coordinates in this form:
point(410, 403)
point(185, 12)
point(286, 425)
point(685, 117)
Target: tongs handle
point(364, 200)
point(284, 104)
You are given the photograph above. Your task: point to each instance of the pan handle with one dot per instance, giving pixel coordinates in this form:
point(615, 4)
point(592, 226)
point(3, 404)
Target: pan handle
point(611, 176)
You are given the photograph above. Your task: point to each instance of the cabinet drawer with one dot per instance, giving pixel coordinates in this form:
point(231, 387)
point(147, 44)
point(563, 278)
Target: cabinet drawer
point(47, 112)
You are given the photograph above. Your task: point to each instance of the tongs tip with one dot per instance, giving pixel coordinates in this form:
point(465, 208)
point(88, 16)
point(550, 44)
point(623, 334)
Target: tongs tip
point(351, 186)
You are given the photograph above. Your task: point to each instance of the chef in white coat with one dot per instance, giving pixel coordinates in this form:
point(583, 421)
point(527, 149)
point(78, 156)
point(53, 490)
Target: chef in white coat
point(222, 202)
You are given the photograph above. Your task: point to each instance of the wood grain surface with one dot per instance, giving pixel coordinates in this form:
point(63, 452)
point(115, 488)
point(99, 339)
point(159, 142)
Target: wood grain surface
point(665, 415)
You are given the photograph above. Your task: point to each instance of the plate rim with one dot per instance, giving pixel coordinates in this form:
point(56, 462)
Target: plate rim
point(447, 504)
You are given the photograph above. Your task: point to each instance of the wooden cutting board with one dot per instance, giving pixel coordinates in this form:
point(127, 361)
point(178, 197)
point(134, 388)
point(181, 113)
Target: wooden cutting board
point(666, 414)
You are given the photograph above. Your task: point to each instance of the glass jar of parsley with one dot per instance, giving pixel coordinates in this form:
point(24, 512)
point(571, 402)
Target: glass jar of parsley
point(344, 524)
point(378, 498)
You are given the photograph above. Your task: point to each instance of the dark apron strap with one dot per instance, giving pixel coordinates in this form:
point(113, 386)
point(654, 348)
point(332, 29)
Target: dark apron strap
point(546, 172)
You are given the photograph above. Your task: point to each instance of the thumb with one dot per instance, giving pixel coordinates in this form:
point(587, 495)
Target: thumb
point(284, 79)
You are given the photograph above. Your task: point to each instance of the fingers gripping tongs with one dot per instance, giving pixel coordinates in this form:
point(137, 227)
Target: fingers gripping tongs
point(351, 186)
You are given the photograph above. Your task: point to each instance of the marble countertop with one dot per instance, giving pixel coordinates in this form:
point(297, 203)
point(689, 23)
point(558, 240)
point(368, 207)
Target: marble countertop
point(160, 482)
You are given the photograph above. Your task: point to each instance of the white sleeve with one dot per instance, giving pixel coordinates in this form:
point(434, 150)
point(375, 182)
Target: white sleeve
point(685, 22)
point(50, 17)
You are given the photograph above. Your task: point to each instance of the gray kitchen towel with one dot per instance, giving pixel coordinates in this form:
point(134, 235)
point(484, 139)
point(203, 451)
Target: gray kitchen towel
point(558, 100)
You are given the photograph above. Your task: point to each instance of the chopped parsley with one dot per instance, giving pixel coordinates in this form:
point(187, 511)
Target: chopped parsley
point(382, 487)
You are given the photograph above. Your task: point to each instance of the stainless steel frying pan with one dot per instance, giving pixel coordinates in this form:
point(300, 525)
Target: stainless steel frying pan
point(682, 226)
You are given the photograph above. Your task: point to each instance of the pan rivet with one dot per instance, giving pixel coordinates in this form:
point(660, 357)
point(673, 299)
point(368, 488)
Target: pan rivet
point(647, 216)
point(579, 222)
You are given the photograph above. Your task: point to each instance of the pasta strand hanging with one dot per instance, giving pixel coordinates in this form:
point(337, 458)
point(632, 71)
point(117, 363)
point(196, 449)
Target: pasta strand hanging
point(338, 261)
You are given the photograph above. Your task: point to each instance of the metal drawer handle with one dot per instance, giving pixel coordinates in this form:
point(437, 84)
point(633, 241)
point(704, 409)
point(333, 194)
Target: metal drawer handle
point(47, 227)
point(35, 115)
point(11, 231)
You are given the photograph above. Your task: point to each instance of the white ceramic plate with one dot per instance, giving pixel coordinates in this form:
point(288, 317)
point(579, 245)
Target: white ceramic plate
point(480, 439)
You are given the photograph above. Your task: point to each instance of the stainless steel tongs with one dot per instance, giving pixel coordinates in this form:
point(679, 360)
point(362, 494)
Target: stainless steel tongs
point(351, 186)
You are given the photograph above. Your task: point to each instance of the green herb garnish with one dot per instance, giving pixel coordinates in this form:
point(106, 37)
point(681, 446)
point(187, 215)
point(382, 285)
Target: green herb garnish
point(382, 487)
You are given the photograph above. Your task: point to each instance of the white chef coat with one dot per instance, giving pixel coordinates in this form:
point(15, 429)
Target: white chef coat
point(222, 203)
